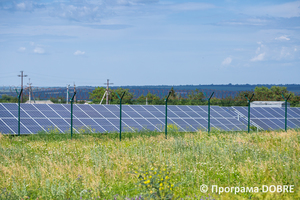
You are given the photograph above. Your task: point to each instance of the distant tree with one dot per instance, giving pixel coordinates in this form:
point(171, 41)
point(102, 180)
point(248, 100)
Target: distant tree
point(152, 99)
point(97, 94)
point(265, 94)
point(173, 94)
point(272, 94)
point(8, 99)
point(58, 100)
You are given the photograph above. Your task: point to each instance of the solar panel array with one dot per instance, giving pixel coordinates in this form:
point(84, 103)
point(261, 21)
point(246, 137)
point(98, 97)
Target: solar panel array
point(270, 118)
point(105, 118)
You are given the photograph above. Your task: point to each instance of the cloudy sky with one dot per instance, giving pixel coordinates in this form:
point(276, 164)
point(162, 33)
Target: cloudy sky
point(149, 42)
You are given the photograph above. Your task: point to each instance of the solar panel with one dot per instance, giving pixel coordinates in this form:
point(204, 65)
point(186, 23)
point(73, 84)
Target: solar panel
point(105, 118)
point(270, 118)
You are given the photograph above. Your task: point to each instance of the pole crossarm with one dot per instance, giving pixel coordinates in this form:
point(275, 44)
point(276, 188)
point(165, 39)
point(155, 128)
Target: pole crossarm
point(166, 114)
point(120, 98)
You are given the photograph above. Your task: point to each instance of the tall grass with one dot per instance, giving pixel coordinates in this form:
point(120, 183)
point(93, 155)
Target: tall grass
point(99, 166)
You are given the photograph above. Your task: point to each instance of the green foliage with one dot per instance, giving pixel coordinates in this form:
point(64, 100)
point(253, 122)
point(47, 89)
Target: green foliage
point(155, 182)
point(197, 98)
point(152, 99)
point(58, 100)
point(98, 93)
point(8, 99)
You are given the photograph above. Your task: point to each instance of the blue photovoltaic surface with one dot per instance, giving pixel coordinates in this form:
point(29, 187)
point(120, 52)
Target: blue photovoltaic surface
point(105, 118)
point(270, 118)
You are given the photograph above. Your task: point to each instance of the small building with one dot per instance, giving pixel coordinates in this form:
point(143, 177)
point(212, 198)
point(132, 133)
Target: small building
point(40, 102)
point(277, 104)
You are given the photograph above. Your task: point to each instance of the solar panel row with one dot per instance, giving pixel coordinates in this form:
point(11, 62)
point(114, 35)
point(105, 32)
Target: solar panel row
point(271, 118)
point(105, 118)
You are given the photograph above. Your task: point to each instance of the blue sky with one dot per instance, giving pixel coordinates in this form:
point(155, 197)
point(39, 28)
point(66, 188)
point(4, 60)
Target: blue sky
point(149, 42)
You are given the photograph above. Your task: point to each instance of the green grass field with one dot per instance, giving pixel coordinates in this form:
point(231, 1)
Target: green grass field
point(145, 165)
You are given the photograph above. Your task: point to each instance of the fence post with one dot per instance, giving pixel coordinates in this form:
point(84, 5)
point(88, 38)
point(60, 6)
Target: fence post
point(248, 100)
point(285, 121)
point(166, 115)
point(208, 128)
point(121, 113)
point(19, 111)
point(72, 99)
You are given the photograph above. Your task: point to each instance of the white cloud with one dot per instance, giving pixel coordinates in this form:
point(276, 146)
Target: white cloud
point(22, 49)
point(285, 52)
point(259, 57)
point(79, 53)
point(21, 6)
point(257, 50)
point(295, 49)
point(284, 37)
point(39, 50)
point(227, 61)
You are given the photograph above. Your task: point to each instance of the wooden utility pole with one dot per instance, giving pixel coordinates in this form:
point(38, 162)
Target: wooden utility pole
point(22, 84)
point(107, 91)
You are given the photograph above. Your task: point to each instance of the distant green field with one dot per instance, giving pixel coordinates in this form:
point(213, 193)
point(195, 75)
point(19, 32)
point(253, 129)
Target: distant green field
point(145, 165)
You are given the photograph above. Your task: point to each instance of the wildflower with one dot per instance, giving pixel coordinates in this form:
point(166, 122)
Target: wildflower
point(161, 185)
point(167, 177)
point(150, 176)
point(172, 185)
point(152, 168)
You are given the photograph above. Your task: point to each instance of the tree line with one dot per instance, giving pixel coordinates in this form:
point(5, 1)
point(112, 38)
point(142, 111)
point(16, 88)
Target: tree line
point(196, 97)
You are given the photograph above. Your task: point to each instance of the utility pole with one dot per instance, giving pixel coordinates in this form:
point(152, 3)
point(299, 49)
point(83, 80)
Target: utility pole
point(67, 100)
point(107, 90)
point(22, 83)
point(29, 90)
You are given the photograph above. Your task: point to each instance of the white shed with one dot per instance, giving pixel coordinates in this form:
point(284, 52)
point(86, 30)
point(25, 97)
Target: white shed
point(277, 104)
